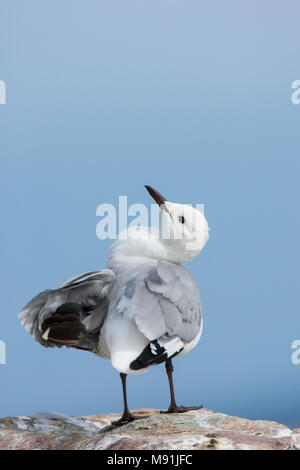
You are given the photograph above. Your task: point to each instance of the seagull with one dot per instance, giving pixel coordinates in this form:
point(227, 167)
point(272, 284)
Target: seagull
point(142, 310)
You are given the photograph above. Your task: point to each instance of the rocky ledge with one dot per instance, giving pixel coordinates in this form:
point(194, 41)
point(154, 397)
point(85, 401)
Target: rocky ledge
point(195, 430)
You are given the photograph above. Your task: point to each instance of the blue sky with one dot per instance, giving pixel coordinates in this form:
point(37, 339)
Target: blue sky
point(193, 98)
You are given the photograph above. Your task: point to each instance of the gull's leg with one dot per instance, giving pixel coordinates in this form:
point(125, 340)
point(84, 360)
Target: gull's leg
point(173, 408)
point(126, 416)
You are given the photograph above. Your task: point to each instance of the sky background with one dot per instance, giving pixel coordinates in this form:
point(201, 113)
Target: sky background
point(194, 99)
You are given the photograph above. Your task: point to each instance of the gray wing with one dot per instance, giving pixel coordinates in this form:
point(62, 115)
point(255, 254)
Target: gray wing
point(163, 299)
point(71, 315)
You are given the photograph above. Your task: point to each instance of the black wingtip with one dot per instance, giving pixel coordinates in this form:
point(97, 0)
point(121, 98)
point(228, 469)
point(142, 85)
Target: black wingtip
point(148, 358)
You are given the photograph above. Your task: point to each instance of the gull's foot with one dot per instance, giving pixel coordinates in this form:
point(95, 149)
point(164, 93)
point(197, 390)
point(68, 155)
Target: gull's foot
point(181, 409)
point(127, 418)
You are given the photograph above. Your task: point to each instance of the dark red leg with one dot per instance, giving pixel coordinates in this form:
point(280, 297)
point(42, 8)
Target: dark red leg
point(173, 408)
point(126, 416)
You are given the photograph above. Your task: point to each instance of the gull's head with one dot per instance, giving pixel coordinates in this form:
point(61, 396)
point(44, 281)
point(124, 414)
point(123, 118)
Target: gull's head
point(184, 230)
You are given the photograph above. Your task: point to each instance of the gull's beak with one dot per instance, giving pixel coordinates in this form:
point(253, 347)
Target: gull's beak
point(156, 195)
point(158, 198)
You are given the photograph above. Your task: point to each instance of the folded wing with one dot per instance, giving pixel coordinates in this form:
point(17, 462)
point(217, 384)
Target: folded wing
point(179, 306)
point(163, 300)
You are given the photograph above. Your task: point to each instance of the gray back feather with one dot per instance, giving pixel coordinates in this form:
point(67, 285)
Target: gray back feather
point(161, 297)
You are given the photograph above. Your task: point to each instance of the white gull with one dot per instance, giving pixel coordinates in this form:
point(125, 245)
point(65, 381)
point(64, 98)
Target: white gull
point(142, 310)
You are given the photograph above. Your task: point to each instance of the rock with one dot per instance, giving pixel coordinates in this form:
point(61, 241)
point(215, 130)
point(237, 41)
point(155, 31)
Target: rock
point(195, 430)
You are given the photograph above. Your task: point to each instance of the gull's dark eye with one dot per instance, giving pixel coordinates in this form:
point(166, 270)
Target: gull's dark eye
point(181, 219)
